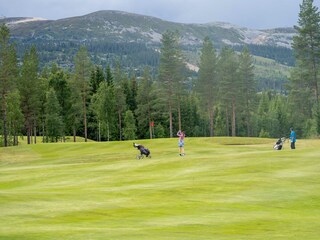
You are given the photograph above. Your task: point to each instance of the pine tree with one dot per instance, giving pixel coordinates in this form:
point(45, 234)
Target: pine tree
point(248, 87)
point(8, 75)
point(144, 109)
point(229, 85)
point(43, 89)
point(54, 123)
point(14, 115)
point(207, 84)
point(103, 105)
point(97, 77)
point(119, 81)
point(306, 45)
point(81, 82)
point(120, 106)
point(170, 74)
point(300, 99)
point(190, 115)
point(30, 92)
point(34, 67)
point(75, 113)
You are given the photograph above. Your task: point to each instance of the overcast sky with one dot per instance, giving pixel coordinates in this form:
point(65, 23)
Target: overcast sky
point(257, 14)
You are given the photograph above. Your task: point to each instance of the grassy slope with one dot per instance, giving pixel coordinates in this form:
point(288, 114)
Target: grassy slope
point(221, 189)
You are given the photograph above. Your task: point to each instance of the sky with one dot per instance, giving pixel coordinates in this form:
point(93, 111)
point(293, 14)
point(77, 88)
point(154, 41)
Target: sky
point(255, 14)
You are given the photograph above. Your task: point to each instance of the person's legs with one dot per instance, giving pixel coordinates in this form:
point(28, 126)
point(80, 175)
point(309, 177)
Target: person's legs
point(293, 145)
point(181, 148)
point(182, 151)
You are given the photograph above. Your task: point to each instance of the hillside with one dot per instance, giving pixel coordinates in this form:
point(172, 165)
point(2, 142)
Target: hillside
point(224, 188)
point(135, 39)
point(127, 27)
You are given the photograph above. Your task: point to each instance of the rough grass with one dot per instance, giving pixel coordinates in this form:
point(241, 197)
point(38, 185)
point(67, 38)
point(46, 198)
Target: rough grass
point(224, 188)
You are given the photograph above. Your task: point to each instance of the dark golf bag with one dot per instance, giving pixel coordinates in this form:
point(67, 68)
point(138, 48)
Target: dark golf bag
point(279, 144)
point(143, 151)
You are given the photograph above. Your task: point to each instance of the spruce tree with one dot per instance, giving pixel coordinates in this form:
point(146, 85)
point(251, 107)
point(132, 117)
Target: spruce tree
point(58, 80)
point(97, 77)
point(133, 86)
point(109, 76)
point(263, 117)
point(129, 131)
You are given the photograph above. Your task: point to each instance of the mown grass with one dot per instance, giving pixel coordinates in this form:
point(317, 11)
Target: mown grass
point(224, 188)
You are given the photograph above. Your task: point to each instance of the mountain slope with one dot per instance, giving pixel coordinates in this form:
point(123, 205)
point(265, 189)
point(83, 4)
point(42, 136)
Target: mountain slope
point(127, 27)
point(135, 39)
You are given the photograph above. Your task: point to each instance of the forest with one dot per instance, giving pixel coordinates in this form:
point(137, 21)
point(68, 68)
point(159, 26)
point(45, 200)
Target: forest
point(111, 103)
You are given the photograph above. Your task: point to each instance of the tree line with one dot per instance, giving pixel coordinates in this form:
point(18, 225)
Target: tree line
point(107, 103)
point(280, 54)
point(138, 55)
point(102, 52)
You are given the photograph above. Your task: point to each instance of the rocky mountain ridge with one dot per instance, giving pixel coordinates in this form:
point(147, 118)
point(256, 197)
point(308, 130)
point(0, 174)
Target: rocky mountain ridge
point(128, 27)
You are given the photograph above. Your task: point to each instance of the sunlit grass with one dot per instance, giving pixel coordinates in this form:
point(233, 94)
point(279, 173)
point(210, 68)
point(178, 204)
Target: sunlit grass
point(224, 188)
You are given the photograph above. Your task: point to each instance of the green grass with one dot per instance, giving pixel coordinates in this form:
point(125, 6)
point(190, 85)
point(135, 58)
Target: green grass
point(224, 188)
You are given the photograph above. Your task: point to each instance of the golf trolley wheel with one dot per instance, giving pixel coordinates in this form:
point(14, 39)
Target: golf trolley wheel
point(139, 157)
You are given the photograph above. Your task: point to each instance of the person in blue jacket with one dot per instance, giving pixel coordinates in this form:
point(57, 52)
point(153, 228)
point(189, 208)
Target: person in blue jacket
point(293, 138)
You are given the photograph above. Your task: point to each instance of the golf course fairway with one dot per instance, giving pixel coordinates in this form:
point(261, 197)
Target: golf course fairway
point(224, 188)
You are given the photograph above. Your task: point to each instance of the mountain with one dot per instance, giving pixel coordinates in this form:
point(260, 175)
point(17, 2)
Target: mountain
point(136, 38)
point(127, 27)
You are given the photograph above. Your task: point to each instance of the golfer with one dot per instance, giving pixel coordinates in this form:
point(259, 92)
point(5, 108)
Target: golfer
point(293, 138)
point(181, 136)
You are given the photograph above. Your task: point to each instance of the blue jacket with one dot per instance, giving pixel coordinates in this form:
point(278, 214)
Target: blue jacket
point(293, 136)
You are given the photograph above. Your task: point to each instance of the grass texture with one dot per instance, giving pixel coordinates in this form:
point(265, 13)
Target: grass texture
point(224, 188)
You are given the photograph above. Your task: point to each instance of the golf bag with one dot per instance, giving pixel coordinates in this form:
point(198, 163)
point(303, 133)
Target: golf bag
point(143, 151)
point(279, 144)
